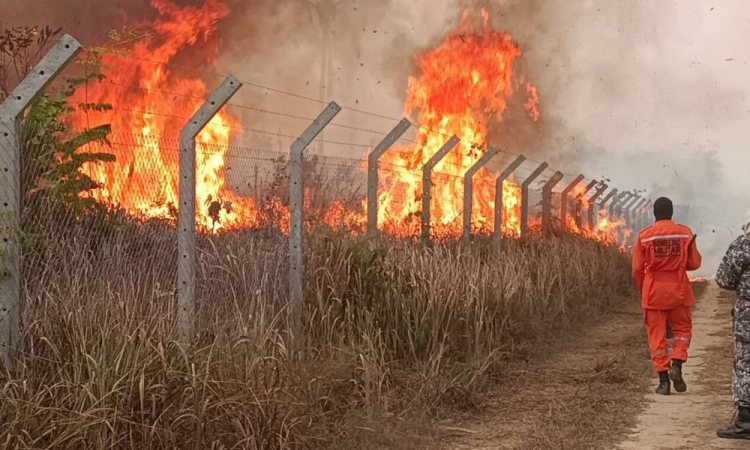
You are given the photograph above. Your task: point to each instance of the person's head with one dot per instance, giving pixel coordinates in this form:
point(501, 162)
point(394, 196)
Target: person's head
point(663, 209)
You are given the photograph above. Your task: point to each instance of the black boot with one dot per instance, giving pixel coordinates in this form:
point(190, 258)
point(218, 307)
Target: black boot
point(664, 385)
point(675, 373)
point(741, 427)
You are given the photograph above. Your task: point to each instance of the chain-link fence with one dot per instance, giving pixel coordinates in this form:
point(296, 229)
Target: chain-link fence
point(99, 206)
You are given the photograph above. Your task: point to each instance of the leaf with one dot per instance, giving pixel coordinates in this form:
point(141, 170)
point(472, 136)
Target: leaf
point(98, 107)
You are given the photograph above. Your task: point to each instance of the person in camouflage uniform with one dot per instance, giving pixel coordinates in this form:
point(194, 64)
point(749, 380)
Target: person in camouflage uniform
point(734, 275)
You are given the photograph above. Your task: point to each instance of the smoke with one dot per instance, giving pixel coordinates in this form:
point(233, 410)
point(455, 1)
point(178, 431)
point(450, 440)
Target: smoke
point(358, 53)
point(86, 20)
point(640, 93)
point(647, 94)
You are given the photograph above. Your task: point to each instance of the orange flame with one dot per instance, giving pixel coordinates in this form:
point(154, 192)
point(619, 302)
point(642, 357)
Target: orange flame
point(463, 85)
point(143, 179)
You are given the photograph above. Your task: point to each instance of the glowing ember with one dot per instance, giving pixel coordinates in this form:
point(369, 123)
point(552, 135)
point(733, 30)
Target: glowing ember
point(463, 85)
point(143, 180)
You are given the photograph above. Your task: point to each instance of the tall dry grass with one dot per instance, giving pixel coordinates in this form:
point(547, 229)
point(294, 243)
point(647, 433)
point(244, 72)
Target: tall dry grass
point(391, 328)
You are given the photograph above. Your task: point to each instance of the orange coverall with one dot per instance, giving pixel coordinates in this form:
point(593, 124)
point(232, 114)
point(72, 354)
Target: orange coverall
point(662, 256)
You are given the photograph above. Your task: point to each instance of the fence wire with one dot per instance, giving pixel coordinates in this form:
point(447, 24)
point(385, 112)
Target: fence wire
point(110, 233)
point(99, 210)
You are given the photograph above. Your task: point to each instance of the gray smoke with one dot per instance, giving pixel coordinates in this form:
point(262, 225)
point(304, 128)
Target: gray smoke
point(646, 94)
point(649, 94)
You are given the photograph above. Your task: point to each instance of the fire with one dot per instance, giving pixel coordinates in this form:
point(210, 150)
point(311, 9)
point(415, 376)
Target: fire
point(611, 229)
point(581, 207)
point(339, 215)
point(607, 229)
point(143, 179)
point(463, 86)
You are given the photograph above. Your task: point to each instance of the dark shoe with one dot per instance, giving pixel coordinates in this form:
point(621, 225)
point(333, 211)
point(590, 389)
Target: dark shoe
point(675, 374)
point(741, 427)
point(664, 385)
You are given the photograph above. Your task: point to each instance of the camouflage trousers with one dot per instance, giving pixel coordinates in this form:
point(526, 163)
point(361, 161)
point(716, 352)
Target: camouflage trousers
point(741, 377)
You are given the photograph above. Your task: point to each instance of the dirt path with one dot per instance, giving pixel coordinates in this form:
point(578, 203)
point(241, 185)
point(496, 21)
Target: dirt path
point(585, 393)
point(595, 391)
point(689, 421)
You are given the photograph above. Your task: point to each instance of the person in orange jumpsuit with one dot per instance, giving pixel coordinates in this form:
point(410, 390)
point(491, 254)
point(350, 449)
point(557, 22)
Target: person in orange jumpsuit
point(663, 254)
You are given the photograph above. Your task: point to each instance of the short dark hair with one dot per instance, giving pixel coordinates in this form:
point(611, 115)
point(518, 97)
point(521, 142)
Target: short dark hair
point(663, 209)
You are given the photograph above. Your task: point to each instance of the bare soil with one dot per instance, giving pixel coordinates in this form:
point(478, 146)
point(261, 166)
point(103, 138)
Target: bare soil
point(594, 390)
point(689, 421)
point(585, 393)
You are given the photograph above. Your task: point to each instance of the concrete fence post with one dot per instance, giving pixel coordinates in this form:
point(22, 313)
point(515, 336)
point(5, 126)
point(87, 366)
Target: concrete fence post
point(625, 204)
point(427, 184)
point(593, 209)
point(613, 194)
point(643, 214)
point(547, 201)
point(525, 198)
point(372, 175)
point(500, 198)
point(634, 218)
point(186, 209)
point(610, 196)
point(635, 212)
point(469, 191)
point(614, 207)
point(11, 141)
point(564, 201)
point(580, 200)
point(297, 210)
point(627, 210)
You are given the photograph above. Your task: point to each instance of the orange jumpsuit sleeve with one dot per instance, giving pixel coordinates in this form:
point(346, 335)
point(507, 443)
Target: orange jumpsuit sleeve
point(639, 265)
point(694, 257)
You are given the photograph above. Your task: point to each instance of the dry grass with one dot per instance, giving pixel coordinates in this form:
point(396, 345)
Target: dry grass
point(593, 403)
point(394, 330)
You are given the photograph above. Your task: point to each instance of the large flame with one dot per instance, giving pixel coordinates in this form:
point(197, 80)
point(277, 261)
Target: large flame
point(463, 86)
point(143, 180)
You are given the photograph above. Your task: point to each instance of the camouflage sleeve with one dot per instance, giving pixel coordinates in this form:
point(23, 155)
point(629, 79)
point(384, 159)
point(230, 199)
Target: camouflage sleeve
point(732, 267)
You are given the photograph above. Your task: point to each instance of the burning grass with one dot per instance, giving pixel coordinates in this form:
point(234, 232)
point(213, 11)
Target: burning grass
point(393, 328)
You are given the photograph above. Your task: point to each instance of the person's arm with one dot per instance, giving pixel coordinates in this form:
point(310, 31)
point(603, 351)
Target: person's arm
point(639, 265)
point(694, 256)
point(734, 264)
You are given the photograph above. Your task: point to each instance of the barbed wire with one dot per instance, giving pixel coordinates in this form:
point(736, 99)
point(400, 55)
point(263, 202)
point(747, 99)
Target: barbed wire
point(297, 117)
point(244, 107)
point(152, 90)
point(272, 156)
point(357, 161)
point(322, 102)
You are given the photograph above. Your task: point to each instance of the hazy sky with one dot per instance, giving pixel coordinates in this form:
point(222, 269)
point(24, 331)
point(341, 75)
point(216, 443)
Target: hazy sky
point(662, 76)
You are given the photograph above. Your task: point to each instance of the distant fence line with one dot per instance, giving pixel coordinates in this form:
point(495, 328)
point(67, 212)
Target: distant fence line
point(583, 202)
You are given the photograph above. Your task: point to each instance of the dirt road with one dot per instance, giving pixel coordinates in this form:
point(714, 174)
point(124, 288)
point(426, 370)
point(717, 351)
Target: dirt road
point(584, 392)
point(595, 392)
point(689, 421)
